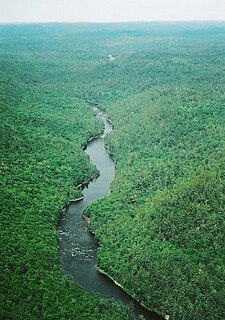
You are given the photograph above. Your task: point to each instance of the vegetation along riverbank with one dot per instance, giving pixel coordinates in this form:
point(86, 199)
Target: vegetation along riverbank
point(161, 229)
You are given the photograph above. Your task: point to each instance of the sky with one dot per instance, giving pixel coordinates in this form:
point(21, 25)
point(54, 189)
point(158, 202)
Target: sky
point(110, 10)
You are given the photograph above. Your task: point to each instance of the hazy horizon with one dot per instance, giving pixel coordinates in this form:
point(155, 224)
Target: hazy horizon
point(107, 11)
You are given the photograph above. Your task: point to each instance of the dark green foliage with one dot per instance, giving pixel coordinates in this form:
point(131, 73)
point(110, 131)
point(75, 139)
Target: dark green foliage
point(161, 230)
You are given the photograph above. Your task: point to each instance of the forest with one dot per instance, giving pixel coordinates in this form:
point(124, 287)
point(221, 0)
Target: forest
point(161, 229)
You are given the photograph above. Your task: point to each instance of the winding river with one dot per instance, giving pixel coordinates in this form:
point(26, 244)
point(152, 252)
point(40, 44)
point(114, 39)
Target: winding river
point(78, 247)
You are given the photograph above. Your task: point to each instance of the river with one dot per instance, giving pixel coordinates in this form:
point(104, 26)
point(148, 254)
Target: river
point(78, 247)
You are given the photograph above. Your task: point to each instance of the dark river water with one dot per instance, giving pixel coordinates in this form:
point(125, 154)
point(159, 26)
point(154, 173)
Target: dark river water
point(78, 247)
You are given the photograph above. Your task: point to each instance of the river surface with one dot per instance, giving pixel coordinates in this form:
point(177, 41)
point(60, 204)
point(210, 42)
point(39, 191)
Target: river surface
point(78, 247)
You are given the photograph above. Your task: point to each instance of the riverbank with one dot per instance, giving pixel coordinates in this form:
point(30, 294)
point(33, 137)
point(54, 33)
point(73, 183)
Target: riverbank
point(119, 285)
point(103, 272)
point(77, 242)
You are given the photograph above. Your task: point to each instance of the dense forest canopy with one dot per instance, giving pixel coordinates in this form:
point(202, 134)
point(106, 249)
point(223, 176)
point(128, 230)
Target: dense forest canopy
point(161, 230)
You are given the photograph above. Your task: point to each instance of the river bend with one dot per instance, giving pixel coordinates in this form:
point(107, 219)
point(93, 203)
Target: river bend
point(78, 247)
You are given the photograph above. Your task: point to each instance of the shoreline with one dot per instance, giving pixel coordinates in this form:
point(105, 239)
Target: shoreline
point(101, 271)
point(81, 187)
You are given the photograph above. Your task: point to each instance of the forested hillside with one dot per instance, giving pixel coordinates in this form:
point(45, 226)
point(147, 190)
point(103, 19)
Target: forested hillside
point(161, 230)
